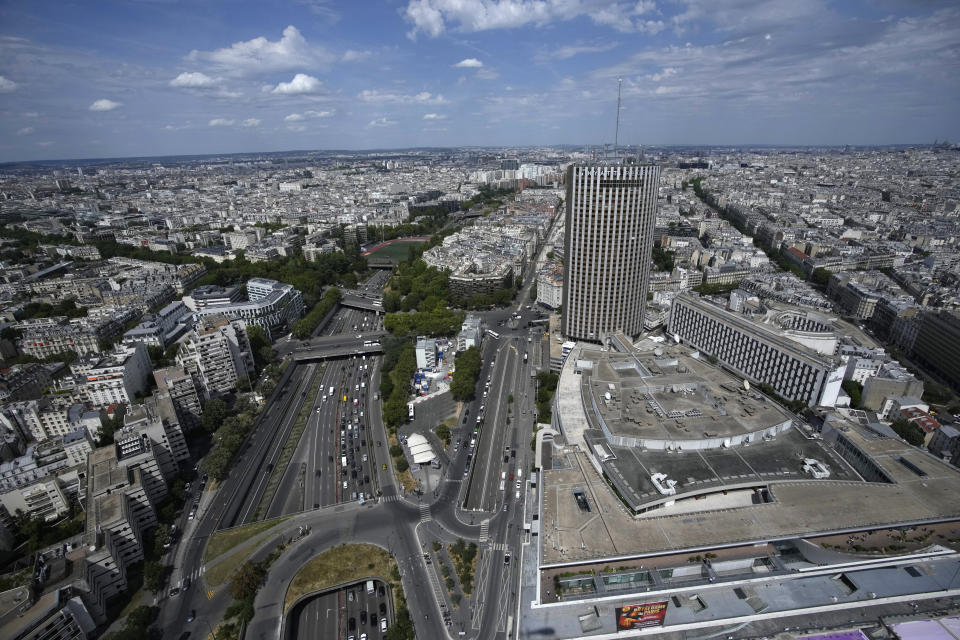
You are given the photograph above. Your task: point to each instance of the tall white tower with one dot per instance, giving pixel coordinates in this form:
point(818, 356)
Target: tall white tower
point(610, 220)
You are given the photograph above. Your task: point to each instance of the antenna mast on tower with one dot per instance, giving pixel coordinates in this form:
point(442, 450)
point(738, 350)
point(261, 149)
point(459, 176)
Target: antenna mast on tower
point(616, 135)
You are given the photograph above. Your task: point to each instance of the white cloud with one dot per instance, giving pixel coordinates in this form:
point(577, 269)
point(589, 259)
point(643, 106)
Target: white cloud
point(25, 131)
point(565, 53)
point(487, 74)
point(434, 116)
point(381, 97)
point(194, 80)
point(7, 86)
point(46, 143)
point(382, 122)
point(301, 84)
point(260, 56)
point(469, 62)
point(351, 55)
point(31, 114)
point(433, 17)
point(222, 122)
point(104, 105)
point(663, 75)
point(250, 122)
point(297, 128)
point(308, 115)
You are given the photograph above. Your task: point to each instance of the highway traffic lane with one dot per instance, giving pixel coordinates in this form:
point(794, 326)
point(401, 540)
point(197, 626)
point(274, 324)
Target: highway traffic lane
point(272, 452)
point(235, 490)
point(495, 432)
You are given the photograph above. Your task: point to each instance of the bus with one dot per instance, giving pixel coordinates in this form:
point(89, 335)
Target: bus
point(343, 461)
point(493, 334)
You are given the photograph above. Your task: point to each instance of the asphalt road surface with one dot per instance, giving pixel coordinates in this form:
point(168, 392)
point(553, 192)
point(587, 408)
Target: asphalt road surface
point(394, 521)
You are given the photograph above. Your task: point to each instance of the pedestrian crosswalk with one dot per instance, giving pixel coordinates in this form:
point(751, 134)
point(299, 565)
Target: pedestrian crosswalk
point(498, 546)
point(393, 498)
point(484, 530)
point(425, 513)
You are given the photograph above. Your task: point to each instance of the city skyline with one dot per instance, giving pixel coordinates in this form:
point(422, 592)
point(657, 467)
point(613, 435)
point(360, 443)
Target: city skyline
point(145, 79)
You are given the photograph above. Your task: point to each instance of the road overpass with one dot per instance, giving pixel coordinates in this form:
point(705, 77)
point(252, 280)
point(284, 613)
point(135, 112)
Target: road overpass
point(366, 303)
point(337, 346)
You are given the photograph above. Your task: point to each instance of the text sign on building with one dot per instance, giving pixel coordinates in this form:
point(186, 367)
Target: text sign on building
point(641, 616)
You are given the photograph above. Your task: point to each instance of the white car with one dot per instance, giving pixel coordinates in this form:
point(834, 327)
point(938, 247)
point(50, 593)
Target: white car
point(344, 484)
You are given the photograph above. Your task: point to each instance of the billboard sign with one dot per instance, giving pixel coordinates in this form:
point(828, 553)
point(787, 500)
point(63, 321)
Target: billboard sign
point(641, 616)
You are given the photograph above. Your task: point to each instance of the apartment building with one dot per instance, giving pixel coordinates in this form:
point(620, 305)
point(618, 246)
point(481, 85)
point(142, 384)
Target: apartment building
point(42, 340)
point(272, 305)
point(57, 615)
point(24, 381)
point(550, 285)
point(797, 362)
point(43, 499)
point(119, 376)
point(180, 386)
point(216, 353)
point(471, 333)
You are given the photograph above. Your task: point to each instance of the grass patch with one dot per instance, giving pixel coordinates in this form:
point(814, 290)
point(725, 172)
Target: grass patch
point(223, 541)
point(291, 444)
point(346, 563)
point(397, 250)
point(221, 572)
point(405, 476)
point(464, 558)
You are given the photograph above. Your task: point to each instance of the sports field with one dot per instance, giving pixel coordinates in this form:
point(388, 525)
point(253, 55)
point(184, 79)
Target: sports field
point(396, 250)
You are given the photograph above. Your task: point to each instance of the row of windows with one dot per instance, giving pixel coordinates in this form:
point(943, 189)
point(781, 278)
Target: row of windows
point(790, 377)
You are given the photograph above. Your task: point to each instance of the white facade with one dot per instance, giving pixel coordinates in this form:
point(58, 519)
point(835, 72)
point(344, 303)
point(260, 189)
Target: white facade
point(118, 377)
point(217, 353)
point(549, 290)
point(426, 350)
point(272, 305)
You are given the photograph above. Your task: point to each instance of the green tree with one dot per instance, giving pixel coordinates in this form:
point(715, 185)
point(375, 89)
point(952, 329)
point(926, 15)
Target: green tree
point(464, 382)
point(909, 431)
point(260, 347)
point(855, 390)
point(443, 432)
point(246, 581)
point(402, 465)
point(820, 276)
point(214, 411)
point(153, 576)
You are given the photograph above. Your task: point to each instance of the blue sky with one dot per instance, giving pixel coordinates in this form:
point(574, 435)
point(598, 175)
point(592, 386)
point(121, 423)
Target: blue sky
point(101, 78)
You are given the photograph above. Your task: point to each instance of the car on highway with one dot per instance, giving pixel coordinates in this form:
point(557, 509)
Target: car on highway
point(506, 558)
point(383, 625)
point(174, 592)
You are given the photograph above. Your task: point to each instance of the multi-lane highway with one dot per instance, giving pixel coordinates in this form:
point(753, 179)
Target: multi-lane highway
point(342, 454)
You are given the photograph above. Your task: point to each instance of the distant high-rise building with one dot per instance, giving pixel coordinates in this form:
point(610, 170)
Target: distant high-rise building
point(611, 214)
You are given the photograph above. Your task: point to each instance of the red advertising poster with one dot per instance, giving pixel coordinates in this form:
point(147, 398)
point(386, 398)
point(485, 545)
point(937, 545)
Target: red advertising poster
point(641, 616)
